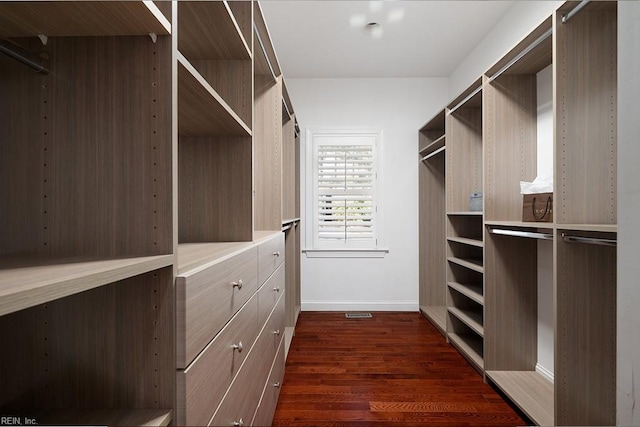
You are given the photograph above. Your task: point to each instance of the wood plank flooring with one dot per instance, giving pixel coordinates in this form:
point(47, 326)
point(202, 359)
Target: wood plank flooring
point(394, 369)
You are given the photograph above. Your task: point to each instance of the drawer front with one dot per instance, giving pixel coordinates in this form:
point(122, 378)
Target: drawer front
point(273, 332)
point(207, 379)
point(206, 300)
point(241, 401)
point(269, 400)
point(270, 292)
point(270, 256)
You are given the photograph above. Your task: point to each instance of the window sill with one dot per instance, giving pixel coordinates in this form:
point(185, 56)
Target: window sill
point(345, 253)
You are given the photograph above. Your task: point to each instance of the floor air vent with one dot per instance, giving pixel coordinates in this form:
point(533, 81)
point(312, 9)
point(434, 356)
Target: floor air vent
point(358, 315)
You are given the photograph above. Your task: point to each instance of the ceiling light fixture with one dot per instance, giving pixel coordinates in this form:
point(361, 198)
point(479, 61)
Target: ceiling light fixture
point(374, 28)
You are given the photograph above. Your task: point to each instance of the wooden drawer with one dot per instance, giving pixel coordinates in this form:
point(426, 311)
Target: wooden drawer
point(270, 292)
point(240, 402)
point(206, 300)
point(270, 256)
point(269, 399)
point(272, 333)
point(202, 385)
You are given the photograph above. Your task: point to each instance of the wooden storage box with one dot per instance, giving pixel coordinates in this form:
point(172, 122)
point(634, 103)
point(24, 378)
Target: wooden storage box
point(537, 207)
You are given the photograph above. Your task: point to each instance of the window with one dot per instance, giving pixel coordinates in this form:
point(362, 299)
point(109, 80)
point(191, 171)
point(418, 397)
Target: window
point(345, 199)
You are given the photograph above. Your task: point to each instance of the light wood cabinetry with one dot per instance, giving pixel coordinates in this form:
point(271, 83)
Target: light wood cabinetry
point(432, 272)
point(492, 256)
point(464, 240)
point(145, 191)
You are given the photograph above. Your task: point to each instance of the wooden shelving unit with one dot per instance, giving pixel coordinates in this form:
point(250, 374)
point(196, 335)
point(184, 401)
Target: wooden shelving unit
point(464, 241)
point(511, 270)
point(132, 162)
point(586, 139)
point(493, 135)
point(431, 155)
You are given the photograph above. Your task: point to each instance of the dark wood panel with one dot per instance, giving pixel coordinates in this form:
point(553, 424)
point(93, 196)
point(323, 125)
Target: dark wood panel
point(393, 369)
point(215, 189)
point(232, 81)
point(94, 136)
point(108, 348)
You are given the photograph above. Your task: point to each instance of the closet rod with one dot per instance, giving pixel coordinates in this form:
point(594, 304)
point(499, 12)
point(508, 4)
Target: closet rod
point(264, 51)
point(529, 48)
point(589, 240)
point(430, 155)
point(516, 233)
point(574, 11)
point(24, 56)
point(471, 95)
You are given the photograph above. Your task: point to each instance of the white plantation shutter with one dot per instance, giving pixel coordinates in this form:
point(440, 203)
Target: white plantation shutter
point(345, 190)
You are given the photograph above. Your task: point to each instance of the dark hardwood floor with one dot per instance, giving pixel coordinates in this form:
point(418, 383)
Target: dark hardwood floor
point(394, 369)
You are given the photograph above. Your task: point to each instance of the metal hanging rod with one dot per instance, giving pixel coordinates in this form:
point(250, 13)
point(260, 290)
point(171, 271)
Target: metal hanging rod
point(24, 56)
point(471, 95)
point(589, 240)
point(430, 155)
point(529, 48)
point(574, 11)
point(517, 233)
point(264, 51)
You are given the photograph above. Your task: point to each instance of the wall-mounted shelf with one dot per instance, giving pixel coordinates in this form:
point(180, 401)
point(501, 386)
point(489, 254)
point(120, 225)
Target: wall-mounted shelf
point(470, 318)
point(470, 345)
point(470, 290)
point(24, 284)
point(209, 30)
point(201, 111)
point(472, 264)
point(86, 18)
point(466, 241)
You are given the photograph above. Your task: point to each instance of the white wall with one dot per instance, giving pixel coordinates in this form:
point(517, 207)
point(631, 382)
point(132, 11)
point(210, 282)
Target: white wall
point(399, 107)
point(544, 147)
point(628, 207)
point(523, 17)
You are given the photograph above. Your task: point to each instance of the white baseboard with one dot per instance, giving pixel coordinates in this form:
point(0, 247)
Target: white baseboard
point(544, 372)
point(359, 306)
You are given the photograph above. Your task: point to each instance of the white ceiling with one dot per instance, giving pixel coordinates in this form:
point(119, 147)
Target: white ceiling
point(326, 38)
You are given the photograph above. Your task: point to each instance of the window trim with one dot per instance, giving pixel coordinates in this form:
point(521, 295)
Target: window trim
point(375, 248)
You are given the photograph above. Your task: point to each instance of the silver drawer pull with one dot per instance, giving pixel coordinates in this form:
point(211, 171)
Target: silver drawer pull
point(276, 253)
point(239, 423)
point(276, 289)
point(276, 332)
point(238, 284)
point(237, 347)
point(276, 385)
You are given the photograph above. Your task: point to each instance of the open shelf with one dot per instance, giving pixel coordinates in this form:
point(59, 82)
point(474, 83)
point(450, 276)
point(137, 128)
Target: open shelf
point(470, 290)
point(530, 391)
point(437, 315)
point(470, 346)
point(465, 213)
point(465, 241)
point(110, 417)
point(604, 228)
point(86, 18)
point(472, 264)
point(24, 284)
point(201, 110)
point(209, 30)
point(519, 224)
point(470, 318)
